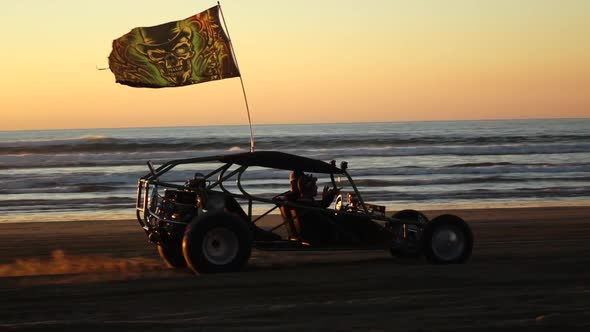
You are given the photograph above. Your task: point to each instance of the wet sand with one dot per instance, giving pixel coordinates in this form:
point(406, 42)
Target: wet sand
point(530, 270)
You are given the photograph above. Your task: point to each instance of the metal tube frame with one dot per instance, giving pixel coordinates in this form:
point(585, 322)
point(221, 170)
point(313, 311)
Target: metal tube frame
point(146, 182)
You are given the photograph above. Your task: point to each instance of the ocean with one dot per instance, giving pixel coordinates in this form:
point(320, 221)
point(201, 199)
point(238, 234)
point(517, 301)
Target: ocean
point(55, 175)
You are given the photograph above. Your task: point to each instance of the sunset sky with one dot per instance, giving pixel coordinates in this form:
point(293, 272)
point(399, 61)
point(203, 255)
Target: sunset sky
point(304, 62)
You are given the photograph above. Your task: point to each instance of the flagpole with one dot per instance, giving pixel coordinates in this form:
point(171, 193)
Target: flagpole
point(231, 46)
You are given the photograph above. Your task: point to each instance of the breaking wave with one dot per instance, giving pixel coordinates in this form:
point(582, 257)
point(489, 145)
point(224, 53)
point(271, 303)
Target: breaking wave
point(383, 145)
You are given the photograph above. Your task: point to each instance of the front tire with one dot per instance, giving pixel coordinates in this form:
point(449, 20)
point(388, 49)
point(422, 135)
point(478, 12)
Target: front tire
point(447, 240)
point(217, 242)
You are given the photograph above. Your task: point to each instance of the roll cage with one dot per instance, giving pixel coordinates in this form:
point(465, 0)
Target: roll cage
point(222, 174)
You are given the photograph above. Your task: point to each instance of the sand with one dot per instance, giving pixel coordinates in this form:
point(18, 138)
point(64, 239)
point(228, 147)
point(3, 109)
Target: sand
point(530, 270)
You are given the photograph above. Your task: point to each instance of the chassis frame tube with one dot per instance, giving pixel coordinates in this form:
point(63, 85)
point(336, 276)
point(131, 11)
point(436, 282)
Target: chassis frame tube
point(151, 178)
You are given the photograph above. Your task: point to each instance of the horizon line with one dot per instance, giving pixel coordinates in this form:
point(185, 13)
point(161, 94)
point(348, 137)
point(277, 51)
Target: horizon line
point(296, 124)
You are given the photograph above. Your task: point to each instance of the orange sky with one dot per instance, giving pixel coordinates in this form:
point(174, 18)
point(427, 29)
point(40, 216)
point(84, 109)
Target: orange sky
point(305, 62)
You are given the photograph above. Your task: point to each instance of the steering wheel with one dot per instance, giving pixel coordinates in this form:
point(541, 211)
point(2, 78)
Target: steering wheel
point(339, 205)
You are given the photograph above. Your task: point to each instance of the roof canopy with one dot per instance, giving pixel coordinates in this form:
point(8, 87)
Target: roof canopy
point(280, 160)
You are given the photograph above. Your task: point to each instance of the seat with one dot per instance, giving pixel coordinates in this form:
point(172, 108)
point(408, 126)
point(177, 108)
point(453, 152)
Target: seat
point(309, 225)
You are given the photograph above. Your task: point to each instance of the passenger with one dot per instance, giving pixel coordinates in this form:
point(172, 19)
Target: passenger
point(293, 194)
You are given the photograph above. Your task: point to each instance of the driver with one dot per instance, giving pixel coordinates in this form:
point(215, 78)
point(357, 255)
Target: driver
point(304, 189)
point(308, 189)
point(307, 224)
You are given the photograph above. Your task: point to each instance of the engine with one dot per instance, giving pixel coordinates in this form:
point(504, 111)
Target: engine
point(173, 210)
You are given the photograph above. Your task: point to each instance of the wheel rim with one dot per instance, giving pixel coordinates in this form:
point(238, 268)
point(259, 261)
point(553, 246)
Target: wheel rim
point(448, 243)
point(220, 246)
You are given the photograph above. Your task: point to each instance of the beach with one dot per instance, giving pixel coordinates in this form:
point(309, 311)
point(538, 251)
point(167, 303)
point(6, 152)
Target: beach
point(529, 270)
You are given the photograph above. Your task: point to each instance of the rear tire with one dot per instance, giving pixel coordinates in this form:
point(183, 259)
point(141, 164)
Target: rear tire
point(447, 240)
point(217, 242)
point(171, 253)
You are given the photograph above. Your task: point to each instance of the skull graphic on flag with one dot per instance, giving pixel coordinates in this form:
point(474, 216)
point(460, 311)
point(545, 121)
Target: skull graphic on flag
point(178, 53)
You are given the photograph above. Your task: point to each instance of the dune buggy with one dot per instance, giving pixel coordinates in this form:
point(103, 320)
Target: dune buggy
point(207, 223)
